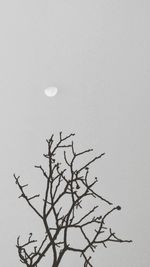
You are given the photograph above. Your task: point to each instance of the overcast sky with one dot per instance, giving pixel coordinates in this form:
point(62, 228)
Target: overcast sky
point(97, 54)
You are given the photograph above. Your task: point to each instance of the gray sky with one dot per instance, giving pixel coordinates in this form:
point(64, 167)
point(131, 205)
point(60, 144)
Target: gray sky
point(97, 54)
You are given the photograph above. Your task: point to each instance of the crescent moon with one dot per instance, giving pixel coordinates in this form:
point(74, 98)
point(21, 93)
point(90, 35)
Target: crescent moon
point(51, 91)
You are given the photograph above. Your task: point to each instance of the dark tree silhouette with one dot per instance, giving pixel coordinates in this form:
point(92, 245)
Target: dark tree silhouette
point(64, 182)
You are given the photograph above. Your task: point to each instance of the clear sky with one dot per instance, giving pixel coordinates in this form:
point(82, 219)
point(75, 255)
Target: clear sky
point(97, 54)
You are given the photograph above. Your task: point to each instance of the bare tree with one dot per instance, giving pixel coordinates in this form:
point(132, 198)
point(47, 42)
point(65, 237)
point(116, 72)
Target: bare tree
point(65, 182)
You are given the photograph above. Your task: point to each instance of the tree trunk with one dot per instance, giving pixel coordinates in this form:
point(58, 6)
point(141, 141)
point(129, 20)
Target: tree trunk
point(55, 265)
point(57, 262)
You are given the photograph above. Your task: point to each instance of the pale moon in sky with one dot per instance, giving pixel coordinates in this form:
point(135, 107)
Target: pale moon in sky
point(51, 91)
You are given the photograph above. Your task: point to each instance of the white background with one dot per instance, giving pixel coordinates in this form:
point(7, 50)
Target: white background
point(97, 54)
